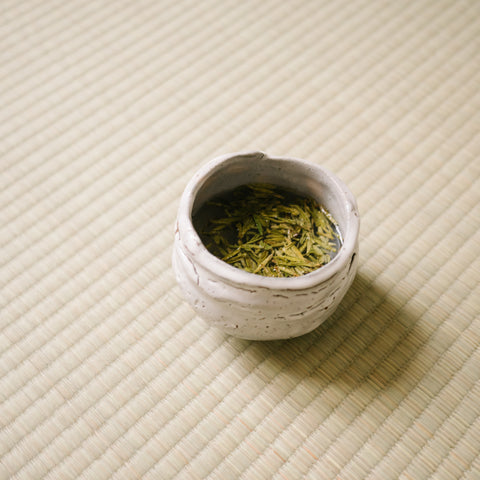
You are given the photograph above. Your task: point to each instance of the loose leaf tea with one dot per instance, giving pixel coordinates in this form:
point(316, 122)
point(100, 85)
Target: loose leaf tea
point(267, 230)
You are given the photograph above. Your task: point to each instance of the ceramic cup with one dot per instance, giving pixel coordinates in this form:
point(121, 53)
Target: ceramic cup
point(253, 306)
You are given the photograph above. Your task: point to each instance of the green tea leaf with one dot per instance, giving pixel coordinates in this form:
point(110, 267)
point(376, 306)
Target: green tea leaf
point(269, 231)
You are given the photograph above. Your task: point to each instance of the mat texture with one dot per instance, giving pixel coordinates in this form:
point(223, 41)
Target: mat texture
point(107, 108)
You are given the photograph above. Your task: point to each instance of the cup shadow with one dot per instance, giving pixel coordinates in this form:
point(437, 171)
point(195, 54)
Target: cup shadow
point(368, 342)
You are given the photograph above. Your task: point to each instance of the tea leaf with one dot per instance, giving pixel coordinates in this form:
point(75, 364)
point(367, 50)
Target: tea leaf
point(270, 231)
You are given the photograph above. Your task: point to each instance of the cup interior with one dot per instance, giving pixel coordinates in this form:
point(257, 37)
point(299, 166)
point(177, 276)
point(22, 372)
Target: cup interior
point(298, 176)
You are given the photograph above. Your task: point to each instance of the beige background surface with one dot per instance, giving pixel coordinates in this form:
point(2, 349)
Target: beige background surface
point(107, 108)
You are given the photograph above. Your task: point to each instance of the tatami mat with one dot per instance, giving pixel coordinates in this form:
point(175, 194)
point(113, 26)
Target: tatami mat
point(107, 109)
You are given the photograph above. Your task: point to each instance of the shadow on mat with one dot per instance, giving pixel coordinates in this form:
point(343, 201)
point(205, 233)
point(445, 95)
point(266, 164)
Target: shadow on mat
point(369, 341)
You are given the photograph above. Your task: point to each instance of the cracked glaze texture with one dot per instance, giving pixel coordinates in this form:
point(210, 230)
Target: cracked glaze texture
point(252, 306)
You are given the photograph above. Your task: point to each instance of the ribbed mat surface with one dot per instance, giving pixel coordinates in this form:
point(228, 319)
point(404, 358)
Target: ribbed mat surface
point(107, 109)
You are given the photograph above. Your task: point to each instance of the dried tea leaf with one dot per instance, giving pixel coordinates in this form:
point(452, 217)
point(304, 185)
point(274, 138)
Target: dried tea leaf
point(269, 231)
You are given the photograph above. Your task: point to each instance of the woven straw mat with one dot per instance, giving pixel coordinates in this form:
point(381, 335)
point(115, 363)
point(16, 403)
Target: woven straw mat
point(107, 108)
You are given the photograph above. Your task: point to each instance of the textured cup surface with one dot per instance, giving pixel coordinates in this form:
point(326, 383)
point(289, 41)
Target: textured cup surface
point(253, 306)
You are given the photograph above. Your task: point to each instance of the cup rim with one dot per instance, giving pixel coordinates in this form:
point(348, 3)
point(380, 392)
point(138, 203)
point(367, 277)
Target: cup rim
point(233, 275)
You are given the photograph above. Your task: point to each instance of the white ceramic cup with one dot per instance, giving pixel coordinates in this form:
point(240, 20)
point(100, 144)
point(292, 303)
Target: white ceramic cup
point(253, 306)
